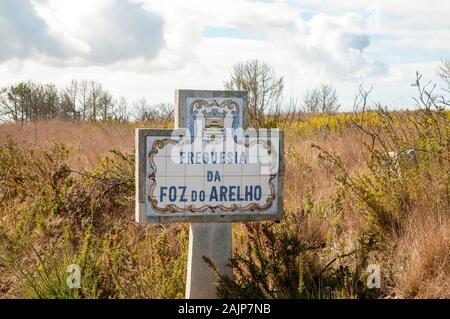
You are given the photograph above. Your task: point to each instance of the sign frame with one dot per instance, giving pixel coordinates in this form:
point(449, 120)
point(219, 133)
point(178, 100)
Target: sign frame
point(141, 176)
point(181, 97)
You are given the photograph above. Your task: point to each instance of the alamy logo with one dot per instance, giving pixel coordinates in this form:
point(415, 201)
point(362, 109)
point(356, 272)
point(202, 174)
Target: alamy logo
point(74, 278)
point(374, 277)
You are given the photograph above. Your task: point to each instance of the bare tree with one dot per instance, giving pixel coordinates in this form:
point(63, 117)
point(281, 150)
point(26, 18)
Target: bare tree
point(83, 98)
point(120, 110)
point(321, 100)
point(106, 105)
point(95, 96)
point(161, 112)
point(361, 98)
point(310, 102)
point(9, 104)
point(5, 112)
point(165, 112)
point(264, 88)
point(77, 100)
point(444, 73)
point(70, 100)
point(293, 110)
point(143, 111)
point(360, 104)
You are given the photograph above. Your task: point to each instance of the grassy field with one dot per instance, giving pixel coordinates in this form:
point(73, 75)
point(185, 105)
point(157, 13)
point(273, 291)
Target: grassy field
point(67, 196)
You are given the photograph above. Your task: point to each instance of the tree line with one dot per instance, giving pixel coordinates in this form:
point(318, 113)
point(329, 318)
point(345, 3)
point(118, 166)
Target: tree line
point(85, 100)
point(79, 100)
point(265, 94)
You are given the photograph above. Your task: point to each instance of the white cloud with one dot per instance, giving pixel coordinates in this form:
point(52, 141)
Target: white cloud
point(79, 33)
point(122, 31)
point(152, 49)
point(24, 34)
point(124, 34)
point(331, 45)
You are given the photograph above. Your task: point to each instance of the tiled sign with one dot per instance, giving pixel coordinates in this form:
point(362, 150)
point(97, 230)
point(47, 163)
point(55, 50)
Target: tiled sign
point(211, 171)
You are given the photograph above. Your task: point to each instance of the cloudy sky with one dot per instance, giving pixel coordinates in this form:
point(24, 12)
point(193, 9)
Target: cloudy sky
point(149, 48)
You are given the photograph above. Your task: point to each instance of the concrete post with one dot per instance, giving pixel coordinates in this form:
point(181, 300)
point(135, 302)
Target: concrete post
point(213, 240)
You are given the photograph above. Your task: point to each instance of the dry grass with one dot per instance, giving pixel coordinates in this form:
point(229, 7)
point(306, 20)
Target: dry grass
point(415, 262)
point(89, 141)
point(422, 258)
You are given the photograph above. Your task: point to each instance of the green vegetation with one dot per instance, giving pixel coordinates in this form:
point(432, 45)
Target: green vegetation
point(360, 189)
point(53, 217)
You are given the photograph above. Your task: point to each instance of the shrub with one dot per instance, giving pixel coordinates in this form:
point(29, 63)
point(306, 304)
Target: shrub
point(56, 217)
point(388, 198)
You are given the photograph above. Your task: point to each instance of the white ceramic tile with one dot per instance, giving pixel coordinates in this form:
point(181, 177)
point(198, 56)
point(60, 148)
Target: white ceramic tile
point(228, 120)
point(196, 146)
point(233, 190)
point(161, 204)
point(211, 200)
point(229, 149)
point(252, 151)
point(160, 166)
point(176, 196)
point(199, 201)
point(195, 170)
point(264, 181)
point(209, 185)
point(232, 169)
point(175, 181)
point(232, 180)
point(151, 142)
point(181, 202)
point(188, 155)
point(267, 165)
point(252, 168)
point(250, 180)
point(216, 146)
point(195, 183)
point(173, 151)
point(263, 200)
point(243, 204)
point(214, 168)
point(160, 181)
point(175, 169)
